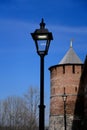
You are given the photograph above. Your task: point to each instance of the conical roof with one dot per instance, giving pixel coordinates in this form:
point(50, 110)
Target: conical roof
point(71, 57)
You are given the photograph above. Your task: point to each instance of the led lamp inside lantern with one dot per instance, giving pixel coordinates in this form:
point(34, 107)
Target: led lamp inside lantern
point(42, 37)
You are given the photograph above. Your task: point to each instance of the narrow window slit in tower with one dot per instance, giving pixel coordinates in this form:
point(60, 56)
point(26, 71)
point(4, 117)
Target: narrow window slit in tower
point(73, 69)
point(75, 89)
point(63, 69)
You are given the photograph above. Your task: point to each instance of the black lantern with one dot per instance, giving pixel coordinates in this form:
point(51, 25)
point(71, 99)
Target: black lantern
point(42, 38)
point(64, 97)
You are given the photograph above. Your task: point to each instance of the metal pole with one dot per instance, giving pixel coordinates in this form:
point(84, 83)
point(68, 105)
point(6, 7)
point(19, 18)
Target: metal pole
point(41, 106)
point(65, 114)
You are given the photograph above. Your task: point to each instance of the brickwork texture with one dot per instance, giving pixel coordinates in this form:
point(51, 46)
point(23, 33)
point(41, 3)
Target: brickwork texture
point(65, 77)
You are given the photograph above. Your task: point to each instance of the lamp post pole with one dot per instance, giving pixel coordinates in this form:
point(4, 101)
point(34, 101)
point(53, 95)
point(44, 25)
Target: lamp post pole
point(42, 38)
point(65, 114)
point(41, 106)
point(64, 100)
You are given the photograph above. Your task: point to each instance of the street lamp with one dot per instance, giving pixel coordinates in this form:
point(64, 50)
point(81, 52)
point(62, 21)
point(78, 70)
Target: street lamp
point(64, 96)
point(42, 38)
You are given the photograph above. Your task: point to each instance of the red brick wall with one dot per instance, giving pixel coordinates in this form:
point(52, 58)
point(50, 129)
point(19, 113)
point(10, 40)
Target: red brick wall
point(67, 76)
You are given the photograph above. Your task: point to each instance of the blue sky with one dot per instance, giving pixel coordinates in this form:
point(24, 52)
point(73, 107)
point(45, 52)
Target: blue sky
point(19, 62)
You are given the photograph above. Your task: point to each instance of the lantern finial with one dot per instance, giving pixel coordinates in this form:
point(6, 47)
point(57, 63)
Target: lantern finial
point(42, 24)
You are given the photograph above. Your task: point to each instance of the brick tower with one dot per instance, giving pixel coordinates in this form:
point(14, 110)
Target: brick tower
point(64, 79)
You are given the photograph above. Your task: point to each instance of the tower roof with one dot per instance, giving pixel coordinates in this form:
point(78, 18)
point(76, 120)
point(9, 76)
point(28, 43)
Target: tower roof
point(71, 57)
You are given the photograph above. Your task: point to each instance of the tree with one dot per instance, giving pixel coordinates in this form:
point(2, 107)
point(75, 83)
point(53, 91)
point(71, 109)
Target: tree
point(20, 113)
point(32, 101)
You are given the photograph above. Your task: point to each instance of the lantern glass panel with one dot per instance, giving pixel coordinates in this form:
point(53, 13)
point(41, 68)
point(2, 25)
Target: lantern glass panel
point(41, 45)
point(64, 97)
